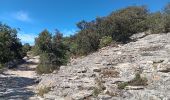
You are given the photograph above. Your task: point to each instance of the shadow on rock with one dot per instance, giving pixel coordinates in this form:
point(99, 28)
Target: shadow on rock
point(17, 94)
point(15, 88)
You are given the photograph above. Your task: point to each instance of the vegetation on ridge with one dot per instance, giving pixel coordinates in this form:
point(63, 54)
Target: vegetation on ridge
point(116, 27)
point(55, 50)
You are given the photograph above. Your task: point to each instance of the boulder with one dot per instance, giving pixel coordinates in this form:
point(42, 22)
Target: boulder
point(81, 95)
point(134, 87)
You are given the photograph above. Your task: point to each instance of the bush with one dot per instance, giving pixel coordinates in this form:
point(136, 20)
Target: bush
point(46, 64)
point(52, 50)
point(122, 85)
point(156, 23)
point(87, 41)
point(96, 91)
point(43, 91)
point(105, 41)
point(167, 23)
point(1, 66)
point(137, 81)
point(26, 48)
point(99, 88)
point(119, 25)
point(35, 50)
point(10, 45)
point(128, 21)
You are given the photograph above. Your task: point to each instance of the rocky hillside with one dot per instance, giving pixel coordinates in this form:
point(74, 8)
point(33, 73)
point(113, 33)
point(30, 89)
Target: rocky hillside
point(138, 70)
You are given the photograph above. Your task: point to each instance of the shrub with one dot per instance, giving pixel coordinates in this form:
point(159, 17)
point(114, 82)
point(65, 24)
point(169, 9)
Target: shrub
point(1, 66)
point(137, 81)
point(45, 68)
point(166, 13)
point(87, 42)
point(167, 23)
point(43, 42)
point(26, 47)
point(99, 87)
point(73, 49)
point(44, 90)
point(46, 64)
point(156, 22)
point(96, 91)
point(10, 45)
point(105, 41)
point(128, 21)
point(119, 25)
point(36, 50)
point(122, 85)
point(52, 50)
point(109, 73)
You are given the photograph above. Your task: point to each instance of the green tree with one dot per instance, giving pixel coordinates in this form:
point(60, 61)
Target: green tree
point(43, 42)
point(10, 45)
point(156, 22)
point(59, 49)
point(119, 25)
point(167, 17)
point(52, 51)
point(26, 48)
point(167, 8)
point(105, 41)
point(128, 21)
point(46, 64)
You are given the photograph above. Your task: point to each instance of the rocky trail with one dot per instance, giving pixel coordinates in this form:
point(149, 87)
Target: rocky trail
point(18, 83)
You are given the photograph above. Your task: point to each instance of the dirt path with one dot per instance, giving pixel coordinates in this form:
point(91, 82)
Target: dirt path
point(17, 84)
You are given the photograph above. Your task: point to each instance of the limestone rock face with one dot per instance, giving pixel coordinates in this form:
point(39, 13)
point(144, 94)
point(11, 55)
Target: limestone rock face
point(96, 76)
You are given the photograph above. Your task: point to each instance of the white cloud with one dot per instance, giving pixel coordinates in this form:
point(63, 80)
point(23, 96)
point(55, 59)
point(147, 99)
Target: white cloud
point(22, 16)
point(27, 38)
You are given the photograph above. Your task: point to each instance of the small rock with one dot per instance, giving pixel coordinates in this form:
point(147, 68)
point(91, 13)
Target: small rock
point(92, 75)
point(138, 36)
point(81, 95)
point(37, 80)
point(83, 70)
point(163, 68)
point(96, 70)
point(119, 53)
point(74, 78)
point(134, 87)
point(104, 97)
point(55, 72)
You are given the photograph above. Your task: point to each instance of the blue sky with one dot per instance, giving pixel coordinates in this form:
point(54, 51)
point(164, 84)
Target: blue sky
point(33, 16)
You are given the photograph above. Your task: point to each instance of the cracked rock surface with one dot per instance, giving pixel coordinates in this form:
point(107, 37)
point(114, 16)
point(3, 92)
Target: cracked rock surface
point(96, 76)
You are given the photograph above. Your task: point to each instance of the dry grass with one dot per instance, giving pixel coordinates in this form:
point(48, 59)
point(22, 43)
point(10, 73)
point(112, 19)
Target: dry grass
point(99, 87)
point(137, 81)
point(152, 48)
point(43, 90)
point(106, 73)
point(112, 94)
point(96, 91)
